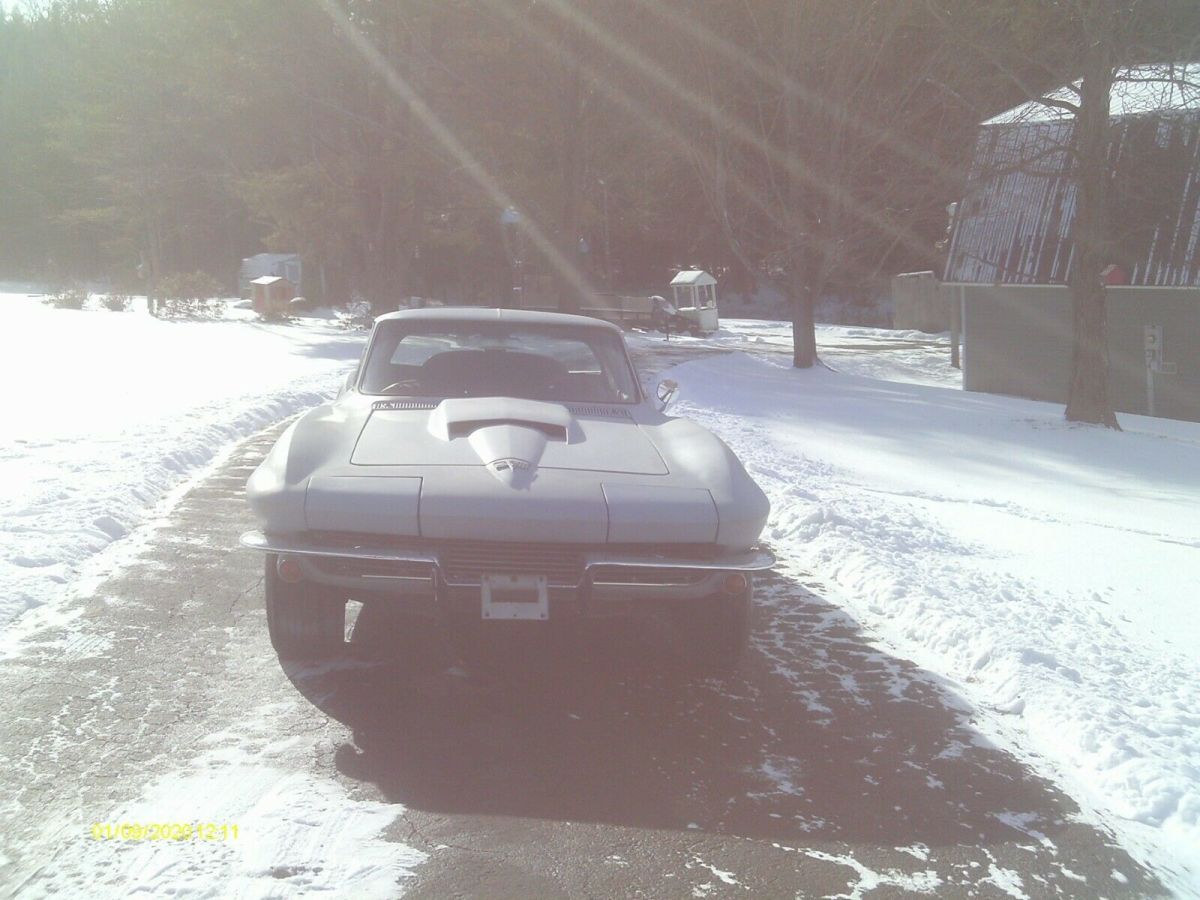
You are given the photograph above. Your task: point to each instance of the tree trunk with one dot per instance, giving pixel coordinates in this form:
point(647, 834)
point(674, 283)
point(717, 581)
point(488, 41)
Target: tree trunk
point(804, 343)
point(1088, 399)
point(572, 125)
point(799, 271)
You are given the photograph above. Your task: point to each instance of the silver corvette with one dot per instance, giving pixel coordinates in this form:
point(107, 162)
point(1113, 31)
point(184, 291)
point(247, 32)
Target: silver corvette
point(503, 465)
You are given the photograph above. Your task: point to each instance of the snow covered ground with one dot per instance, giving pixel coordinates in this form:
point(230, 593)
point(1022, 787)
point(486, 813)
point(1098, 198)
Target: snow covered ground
point(297, 834)
point(911, 356)
point(106, 412)
point(1048, 571)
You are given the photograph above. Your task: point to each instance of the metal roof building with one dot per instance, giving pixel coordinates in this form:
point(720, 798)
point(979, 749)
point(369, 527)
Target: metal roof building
point(1011, 253)
point(1014, 222)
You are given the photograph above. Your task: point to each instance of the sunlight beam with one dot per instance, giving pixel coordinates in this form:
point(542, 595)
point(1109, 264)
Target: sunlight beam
point(800, 170)
point(749, 63)
point(474, 169)
point(662, 128)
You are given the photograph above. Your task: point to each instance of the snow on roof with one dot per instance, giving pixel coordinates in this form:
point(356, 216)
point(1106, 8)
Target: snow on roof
point(267, 279)
point(693, 276)
point(1137, 91)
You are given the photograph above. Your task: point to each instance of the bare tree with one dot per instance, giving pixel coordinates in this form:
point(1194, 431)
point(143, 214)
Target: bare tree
point(822, 154)
point(1088, 398)
point(1095, 45)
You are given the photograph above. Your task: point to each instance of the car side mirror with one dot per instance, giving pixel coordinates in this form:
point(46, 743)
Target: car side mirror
point(348, 383)
point(667, 389)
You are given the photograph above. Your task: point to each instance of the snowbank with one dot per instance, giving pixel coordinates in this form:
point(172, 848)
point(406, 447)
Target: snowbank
point(106, 412)
point(1049, 570)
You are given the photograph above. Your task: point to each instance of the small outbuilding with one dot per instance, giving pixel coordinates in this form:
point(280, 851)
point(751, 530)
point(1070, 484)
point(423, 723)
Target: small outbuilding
point(271, 294)
point(695, 298)
point(285, 265)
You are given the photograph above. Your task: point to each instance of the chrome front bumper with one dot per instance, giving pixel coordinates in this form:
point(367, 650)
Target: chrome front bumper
point(601, 568)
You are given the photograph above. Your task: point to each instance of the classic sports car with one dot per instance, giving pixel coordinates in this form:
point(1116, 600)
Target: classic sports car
point(504, 465)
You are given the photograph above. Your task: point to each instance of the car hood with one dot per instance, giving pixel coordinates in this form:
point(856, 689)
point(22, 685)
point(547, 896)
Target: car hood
point(512, 437)
point(496, 469)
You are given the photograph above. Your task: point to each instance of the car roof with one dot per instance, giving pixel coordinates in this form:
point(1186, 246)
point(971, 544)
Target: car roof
point(480, 314)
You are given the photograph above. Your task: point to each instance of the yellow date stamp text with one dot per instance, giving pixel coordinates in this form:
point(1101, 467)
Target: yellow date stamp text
point(165, 831)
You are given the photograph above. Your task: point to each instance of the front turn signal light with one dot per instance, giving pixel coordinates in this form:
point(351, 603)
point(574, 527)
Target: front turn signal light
point(289, 570)
point(734, 583)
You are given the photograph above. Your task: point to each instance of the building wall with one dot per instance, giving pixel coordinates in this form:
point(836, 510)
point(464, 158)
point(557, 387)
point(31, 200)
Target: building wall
point(1017, 340)
point(918, 304)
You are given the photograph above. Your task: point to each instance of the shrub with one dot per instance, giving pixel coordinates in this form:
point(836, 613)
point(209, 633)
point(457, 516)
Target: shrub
point(188, 295)
point(68, 298)
point(117, 302)
point(356, 315)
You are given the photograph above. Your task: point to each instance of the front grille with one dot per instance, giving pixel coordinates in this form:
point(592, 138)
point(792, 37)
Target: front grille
point(348, 567)
point(466, 562)
point(615, 575)
point(352, 540)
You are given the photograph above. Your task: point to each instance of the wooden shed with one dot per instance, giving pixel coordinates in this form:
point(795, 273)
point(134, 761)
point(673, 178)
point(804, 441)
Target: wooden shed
point(271, 294)
point(285, 265)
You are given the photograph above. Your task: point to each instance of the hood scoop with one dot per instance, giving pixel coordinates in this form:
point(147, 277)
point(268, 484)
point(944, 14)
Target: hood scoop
point(462, 417)
point(511, 451)
point(516, 473)
point(466, 429)
point(508, 435)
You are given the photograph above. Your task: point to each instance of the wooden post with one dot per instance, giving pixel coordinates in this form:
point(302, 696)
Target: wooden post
point(956, 327)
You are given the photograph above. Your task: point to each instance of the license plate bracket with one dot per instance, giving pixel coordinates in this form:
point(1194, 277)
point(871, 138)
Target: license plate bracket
point(514, 597)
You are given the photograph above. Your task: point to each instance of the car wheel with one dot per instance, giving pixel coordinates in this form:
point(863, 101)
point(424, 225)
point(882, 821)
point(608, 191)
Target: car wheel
point(305, 620)
point(720, 630)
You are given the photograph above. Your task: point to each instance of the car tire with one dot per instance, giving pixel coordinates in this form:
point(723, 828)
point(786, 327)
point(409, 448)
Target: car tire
point(306, 621)
point(720, 630)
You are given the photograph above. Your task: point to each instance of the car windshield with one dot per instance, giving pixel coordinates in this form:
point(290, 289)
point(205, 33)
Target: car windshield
point(499, 359)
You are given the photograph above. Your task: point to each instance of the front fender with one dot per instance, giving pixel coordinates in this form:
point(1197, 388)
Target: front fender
point(276, 489)
point(742, 507)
